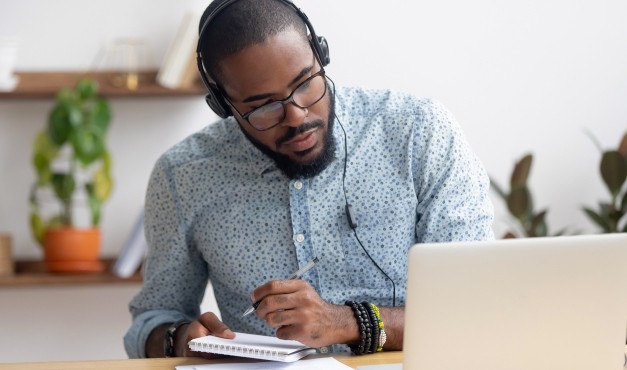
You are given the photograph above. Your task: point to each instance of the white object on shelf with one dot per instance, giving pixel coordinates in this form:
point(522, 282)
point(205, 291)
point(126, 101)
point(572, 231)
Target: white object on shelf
point(181, 53)
point(8, 58)
point(134, 251)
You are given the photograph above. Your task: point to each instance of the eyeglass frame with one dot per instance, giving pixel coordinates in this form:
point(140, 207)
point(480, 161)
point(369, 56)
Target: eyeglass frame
point(284, 102)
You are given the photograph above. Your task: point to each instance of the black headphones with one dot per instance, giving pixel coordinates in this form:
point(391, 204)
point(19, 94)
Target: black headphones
point(215, 98)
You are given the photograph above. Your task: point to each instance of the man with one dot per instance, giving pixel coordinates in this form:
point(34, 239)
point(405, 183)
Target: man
point(354, 177)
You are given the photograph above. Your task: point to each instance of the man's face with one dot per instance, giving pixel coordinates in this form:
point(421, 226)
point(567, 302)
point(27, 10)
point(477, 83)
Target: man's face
point(268, 72)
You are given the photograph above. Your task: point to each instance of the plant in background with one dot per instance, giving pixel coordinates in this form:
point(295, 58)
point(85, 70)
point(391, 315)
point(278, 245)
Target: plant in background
point(611, 215)
point(519, 203)
point(70, 155)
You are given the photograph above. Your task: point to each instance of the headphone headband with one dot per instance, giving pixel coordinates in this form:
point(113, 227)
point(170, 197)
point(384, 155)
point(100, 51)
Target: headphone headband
point(215, 98)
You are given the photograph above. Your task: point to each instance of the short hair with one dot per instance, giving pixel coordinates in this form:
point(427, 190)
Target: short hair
point(242, 24)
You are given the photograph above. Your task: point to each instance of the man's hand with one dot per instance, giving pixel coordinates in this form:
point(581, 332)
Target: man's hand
point(206, 324)
point(298, 313)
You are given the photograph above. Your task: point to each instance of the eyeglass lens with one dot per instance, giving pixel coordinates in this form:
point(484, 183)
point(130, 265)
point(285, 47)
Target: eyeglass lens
point(305, 95)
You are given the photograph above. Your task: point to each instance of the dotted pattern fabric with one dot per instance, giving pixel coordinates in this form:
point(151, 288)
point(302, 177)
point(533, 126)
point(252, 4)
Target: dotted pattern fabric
point(218, 209)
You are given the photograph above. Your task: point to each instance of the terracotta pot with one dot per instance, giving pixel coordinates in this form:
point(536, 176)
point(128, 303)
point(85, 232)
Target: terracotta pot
point(72, 250)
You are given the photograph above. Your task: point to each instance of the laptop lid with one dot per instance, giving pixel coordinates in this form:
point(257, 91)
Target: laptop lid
point(554, 303)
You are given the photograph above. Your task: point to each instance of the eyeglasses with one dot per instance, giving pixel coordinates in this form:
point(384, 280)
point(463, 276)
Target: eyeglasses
point(306, 94)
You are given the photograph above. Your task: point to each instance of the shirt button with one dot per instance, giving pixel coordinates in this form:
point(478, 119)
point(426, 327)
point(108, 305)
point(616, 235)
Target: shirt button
point(300, 238)
point(324, 349)
point(298, 185)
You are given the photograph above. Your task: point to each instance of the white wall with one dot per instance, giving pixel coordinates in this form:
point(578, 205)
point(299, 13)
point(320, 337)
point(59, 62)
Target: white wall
point(520, 77)
point(68, 323)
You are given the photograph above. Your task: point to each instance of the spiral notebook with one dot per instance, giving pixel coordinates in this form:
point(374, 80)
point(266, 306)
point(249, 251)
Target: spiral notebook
point(253, 346)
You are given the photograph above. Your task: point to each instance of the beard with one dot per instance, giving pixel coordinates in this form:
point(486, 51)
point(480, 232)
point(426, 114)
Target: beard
point(313, 167)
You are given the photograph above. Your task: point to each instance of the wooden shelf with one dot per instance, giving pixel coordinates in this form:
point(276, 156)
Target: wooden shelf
point(39, 85)
point(34, 273)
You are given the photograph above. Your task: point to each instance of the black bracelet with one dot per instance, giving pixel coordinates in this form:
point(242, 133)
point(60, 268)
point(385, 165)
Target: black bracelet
point(368, 328)
point(376, 332)
point(170, 336)
point(366, 318)
point(358, 349)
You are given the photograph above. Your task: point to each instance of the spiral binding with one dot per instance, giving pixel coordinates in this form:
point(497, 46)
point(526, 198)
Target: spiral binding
point(242, 351)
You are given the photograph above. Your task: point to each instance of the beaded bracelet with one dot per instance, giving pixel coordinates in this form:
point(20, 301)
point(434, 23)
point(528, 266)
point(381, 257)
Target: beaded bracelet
point(382, 335)
point(370, 337)
point(358, 349)
point(371, 328)
point(375, 327)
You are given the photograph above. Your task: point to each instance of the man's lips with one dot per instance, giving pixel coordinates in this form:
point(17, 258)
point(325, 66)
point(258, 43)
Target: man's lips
point(302, 141)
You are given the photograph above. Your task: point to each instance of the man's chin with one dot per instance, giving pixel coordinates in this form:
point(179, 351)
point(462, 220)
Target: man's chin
point(306, 163)
point(307, 156)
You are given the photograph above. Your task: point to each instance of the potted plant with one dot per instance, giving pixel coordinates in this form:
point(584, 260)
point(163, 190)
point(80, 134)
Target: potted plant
point(519, 203)
point(611, 215)
point(73, 169)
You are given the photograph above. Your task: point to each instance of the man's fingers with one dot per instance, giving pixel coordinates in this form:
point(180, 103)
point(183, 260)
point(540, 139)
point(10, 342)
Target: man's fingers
point(207, 324)
point(214, 326)
point(277, 319)
point(278, 287)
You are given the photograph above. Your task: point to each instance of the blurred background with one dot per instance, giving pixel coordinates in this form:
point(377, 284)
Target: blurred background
point(520, 77)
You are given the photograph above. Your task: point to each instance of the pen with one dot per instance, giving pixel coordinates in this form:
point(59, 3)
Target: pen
point(297, 275)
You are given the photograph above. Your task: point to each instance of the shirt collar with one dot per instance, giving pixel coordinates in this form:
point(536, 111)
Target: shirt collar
point(255, 157)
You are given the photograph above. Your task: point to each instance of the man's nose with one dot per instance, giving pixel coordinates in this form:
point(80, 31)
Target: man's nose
point(294, 115)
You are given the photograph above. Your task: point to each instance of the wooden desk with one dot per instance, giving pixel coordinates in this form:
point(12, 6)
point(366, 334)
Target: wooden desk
point(170, 363)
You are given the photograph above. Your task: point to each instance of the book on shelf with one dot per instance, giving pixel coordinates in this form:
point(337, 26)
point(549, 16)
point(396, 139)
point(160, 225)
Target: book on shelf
point(134, 250)
point(260, 347)
point(178, 68)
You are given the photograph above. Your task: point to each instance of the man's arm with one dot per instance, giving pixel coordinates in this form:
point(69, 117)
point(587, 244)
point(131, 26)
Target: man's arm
point(175, 274)
point(394, 320)
point(299, 313)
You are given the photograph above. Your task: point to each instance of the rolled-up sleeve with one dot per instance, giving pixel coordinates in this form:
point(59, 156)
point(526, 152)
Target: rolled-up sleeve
point(175, 274)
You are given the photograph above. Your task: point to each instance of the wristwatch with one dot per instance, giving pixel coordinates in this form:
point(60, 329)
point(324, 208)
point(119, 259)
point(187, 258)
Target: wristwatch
point(170, 335)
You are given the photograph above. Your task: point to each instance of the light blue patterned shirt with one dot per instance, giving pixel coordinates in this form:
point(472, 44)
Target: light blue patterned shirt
point(218, 209)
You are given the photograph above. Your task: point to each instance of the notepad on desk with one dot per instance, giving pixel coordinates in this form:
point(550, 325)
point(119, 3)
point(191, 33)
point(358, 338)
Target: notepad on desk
point(253, 346)
point(327, 363)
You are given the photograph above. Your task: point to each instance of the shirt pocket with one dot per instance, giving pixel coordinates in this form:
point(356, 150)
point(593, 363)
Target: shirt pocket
point(376, 250)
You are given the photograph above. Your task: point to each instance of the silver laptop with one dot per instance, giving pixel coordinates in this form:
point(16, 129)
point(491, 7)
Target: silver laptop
point(557, 303)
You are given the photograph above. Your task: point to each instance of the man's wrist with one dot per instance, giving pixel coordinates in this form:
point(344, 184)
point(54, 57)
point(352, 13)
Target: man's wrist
point(346, 325)
point(170, 338)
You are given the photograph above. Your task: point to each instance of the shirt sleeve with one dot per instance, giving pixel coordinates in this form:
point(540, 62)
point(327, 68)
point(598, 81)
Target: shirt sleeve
point(451, 183)
point(175, 273)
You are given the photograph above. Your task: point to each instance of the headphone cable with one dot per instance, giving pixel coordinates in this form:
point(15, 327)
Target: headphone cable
point(353, 224)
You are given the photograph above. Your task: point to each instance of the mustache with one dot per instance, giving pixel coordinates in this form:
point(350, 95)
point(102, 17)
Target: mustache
point(295, 131)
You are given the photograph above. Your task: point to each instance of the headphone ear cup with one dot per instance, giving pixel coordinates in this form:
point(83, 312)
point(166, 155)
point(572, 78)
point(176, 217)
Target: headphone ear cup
point(323, 47)
point(216, 102)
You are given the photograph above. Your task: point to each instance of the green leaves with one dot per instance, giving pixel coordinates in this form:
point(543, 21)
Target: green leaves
point(99, 115)
point(63, 119)
point(613, 169)
point(88, 143)
point(521, 171)
point(102, 180)
point(74, 140)
point(45, 151)
point(86, 89)
point(520, 201)
point(63, 185)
